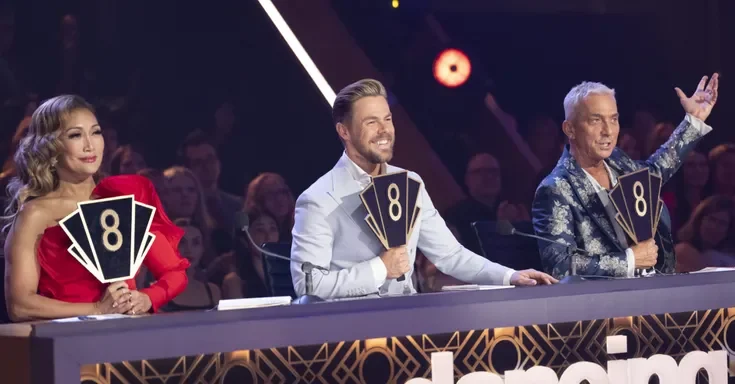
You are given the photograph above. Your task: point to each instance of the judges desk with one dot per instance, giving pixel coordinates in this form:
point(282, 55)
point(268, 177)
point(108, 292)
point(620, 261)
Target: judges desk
point(383, 340)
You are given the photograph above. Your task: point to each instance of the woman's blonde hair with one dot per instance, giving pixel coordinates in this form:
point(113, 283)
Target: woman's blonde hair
point(38, 152)
point(201, 216)
point(255, 198)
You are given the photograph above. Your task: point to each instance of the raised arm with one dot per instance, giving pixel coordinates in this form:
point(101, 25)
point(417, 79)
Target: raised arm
point(667, 159)
point(312, 242)
point(670, 156)
point(22, 272)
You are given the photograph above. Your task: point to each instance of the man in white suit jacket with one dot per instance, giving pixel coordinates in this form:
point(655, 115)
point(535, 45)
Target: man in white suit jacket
point(330, 230)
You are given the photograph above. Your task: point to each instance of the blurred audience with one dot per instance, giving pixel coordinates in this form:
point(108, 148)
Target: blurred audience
point(629, 145)
point(109, 132)
point(247, 275)
point(126, 160)
point(156, 176)
point(199, 294)
point(687, 189)
point(8, 170)
point(200, 155)
point(661, 132)
point(484, 183)
point(184, 199)
point(722, 170)
point(544, 138)
point(706, 240)
point(644, 123)
point(269, 193)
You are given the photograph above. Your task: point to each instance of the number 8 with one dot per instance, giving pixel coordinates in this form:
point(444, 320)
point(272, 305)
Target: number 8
point(394, 202)
point(638, 186)
point(110, 230)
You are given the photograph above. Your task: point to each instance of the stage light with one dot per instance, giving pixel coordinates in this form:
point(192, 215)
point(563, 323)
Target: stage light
point(452, 68)
point(299, 51)
point(395, 3)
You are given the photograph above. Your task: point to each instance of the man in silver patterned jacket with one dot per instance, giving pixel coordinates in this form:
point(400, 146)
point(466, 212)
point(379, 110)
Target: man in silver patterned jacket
point(572, 206)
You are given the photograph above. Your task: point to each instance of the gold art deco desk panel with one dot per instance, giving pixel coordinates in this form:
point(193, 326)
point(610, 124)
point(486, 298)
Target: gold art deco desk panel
point(392, 340)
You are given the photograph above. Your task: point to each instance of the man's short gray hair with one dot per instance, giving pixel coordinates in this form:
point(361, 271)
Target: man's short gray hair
point(580, 92)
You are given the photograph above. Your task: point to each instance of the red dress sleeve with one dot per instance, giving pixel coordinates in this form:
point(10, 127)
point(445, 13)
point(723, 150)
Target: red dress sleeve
point(169, 269)
point(163, 259)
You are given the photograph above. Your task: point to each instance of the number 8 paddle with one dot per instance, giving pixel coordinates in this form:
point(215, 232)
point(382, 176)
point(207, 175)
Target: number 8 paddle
point(111, 230)
point(638, 193)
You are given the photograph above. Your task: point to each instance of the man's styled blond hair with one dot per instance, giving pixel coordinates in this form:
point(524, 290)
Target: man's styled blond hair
point(346, 98)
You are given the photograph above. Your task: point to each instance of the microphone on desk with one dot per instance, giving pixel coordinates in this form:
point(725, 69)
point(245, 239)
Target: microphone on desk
point(242, 222)
point(505, 228)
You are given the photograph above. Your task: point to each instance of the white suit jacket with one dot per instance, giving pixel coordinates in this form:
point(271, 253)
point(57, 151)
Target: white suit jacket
point(330, 231)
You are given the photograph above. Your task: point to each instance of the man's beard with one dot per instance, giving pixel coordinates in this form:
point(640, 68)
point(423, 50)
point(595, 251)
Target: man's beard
point(375, 157)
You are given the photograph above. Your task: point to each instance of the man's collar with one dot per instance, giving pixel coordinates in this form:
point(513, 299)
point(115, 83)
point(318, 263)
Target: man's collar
point(598, 187)
point(355, 171)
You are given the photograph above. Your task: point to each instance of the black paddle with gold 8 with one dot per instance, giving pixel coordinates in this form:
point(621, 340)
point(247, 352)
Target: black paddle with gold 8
point(391, 203)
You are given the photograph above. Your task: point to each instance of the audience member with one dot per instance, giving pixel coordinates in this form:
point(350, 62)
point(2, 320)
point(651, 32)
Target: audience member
point(184, 199)
point(8, 170)
point(269, 193)
point(706, 240)
point(629, 145)
point(644, 123)
point(199, 294)
point(200, 156)
point(159, 181)
point(722, 166)
point(659, 135)
point(248, 277)
point(484, 183)
point(544, 138)
point(428, 278)
point(126, 161)
point(111, 144)
point(75, 74)
point(687, 189)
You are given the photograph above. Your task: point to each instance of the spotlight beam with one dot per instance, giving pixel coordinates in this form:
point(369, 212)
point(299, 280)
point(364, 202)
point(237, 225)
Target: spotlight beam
point(298, 50)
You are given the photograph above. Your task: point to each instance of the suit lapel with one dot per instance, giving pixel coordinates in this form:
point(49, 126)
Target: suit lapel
point(346, 192)
point(621, 163)
point(585, 192)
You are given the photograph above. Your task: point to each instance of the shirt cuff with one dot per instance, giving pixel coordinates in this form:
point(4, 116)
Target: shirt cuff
point(698, 124)
point(379, 271)
point(631, 262)
point(508, 276)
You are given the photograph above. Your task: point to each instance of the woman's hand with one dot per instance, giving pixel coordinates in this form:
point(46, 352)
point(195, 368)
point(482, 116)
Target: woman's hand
point(140, 303)
point(116, 299)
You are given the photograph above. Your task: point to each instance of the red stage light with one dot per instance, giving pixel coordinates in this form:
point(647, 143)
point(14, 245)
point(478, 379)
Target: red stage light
point(452, 68)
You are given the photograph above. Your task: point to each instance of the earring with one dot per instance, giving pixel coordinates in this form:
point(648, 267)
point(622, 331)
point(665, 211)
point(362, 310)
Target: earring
point(53, 163)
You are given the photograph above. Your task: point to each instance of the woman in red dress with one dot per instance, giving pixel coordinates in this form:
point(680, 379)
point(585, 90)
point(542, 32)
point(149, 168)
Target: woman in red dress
point(56, 166)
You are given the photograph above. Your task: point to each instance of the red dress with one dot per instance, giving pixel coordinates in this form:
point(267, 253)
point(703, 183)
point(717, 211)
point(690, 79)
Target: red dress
point(63, 278)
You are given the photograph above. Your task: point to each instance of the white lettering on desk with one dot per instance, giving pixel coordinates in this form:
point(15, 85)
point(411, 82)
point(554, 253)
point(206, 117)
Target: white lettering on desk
point(633, 371)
